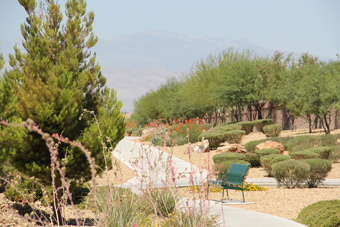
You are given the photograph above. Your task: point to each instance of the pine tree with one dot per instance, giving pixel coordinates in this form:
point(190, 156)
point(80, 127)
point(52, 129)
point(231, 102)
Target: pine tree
point(52, 84)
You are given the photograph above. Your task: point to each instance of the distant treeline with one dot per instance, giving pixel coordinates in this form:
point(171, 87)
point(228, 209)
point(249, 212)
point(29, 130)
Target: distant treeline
point(234, 81)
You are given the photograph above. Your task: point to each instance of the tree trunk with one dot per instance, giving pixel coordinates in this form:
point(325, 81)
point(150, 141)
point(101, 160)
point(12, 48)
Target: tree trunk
point(336, 119)
point(250, 112)
point(286, 119)
point(57, 201)
point(310, 126)
point(326, 124)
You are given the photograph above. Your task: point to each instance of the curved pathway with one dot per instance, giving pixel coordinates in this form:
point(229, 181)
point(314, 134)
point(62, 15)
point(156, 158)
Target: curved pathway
point(151, 166)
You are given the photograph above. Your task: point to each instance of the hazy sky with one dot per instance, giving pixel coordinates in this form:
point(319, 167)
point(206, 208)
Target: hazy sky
point(289, 25)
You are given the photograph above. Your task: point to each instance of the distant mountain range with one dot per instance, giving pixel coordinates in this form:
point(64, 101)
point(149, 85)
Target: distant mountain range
point(135, 63)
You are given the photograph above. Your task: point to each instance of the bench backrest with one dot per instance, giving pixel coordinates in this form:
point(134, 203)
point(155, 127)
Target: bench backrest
point(236, 173)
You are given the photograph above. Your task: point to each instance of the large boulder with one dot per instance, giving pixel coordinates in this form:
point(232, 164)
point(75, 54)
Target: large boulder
point(235, 148)
point(270, 144)
point(200, 147)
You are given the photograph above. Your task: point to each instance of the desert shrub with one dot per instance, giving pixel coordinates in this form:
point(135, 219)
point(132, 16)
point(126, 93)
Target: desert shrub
point(259, 124)
point(319, 169)
point(250, 146)
point(26, 190)
point(322, 151)
point(290, 173)
point(327, 139)
point(267, 151)
point(321, 214)
point(205, 126)
point(226, 156)
point(246, 126)
point(234, 136)
point(214, 138)
point(137, 131)
point(79, 194)
point(229, 123)
point(267, 161)
point(273, 130)
point(300, 143)
point(304, 155)
point(223, 167)
point(229, 127)
point(335, 153)
point(161, 198)
point(253, 159)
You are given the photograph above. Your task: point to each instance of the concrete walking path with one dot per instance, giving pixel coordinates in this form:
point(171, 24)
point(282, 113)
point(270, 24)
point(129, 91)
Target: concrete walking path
point(151, 162)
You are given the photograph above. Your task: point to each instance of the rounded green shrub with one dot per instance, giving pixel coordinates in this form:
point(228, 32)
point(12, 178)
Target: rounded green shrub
point(223, 167)
point(227, 156)
point(253, 159)
point(267, 151)
point(321, 214)
point(335, 153)
point(234, 136)
point(304, 155)
point(290, 173)
point(319, 169)
point(273, 130)
point(267, 161)
point(327, 139)
point(214, 138)
point(259, 124)
point(229, 127)
point(322, 151)
point(246, 126)
point(300, 143)
point(250, 146)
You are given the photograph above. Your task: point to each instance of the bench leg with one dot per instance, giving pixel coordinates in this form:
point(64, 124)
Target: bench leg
point(227, 193)
point(243, 196)
point(208, 190)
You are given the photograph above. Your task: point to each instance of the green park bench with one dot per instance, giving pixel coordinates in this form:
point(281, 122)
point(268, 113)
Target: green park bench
point(234, 179)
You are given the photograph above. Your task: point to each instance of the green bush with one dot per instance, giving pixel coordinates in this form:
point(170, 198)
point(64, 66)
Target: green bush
point(26, 190)
point(259, 124)
point(300, 143)
point(291, 173)
point(273, 130)
point(335, 153)
point(224, 124)
point(227, 156)
point(267, 151)
point(327, 139)
point(321, 214)
point(234, 136)
point(253, 159)
point(322, 151)
point(229, 127)
point(223, 167)
point(304, 155)
point(246, 126)
point(267, 161)
point(214, 138)
point(79, 194)
point(250, 146)
point(319, 169)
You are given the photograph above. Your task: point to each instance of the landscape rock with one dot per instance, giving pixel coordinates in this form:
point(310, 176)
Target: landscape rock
point(235, 148)
point(200, 147)
point(270, 144)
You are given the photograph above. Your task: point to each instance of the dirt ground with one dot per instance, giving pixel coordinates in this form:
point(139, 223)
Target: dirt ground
point(286, 203)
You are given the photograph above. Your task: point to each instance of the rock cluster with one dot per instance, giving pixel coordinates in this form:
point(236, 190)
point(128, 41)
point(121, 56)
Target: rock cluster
point(270, 144)
point(235, 148)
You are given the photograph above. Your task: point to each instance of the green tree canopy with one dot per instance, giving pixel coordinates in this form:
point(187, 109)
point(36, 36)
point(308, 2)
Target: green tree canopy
point(52, 84)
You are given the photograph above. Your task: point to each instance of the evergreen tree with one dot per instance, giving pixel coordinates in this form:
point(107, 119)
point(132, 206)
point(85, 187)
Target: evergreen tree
point(52, 84)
